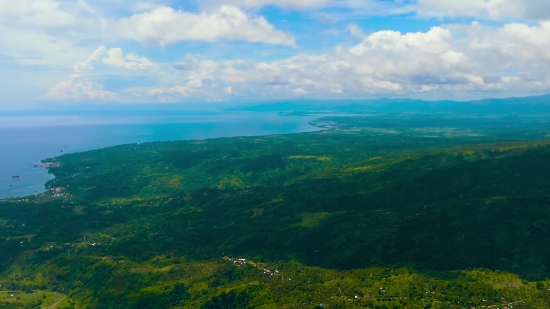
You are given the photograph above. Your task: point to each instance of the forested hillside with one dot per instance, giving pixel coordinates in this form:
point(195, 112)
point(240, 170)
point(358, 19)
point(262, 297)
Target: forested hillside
point(369, 213)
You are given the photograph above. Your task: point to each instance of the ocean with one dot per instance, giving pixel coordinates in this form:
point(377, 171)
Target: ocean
point(27, 139)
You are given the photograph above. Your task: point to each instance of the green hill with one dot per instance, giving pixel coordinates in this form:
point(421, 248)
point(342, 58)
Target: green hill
point(387, 214)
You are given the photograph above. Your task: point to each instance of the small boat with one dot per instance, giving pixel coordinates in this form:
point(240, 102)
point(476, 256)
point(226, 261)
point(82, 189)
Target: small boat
point(16, 176)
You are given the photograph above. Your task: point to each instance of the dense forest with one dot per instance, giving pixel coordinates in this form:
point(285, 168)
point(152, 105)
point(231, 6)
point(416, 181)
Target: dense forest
point(369, 212)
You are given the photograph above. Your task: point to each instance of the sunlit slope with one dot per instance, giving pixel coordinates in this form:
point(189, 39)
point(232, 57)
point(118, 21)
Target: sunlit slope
point(427, 206)
point(149, 225)
point(141, 170)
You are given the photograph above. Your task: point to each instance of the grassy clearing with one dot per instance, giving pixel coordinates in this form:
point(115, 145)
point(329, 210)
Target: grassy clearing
point(28, 237)
point(47, 299)
point(314, 219)
point(232, 181)
point(79, 210)
point(318, 158)
point(381, 130)
point(324, 158)
point(495, 199)
point(258, 212)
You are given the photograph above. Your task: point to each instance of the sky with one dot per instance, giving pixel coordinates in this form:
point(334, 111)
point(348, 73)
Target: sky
point(203, 51)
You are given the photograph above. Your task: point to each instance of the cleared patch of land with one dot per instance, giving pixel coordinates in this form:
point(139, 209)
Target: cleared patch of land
point(314, 219)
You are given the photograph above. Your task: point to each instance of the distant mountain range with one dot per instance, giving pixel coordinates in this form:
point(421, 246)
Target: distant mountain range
point(509, 106)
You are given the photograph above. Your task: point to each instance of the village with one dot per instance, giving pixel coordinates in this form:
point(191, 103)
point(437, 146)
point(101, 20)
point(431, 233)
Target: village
point(244, 262)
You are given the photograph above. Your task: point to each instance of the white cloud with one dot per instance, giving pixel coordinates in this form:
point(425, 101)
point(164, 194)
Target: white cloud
point(45, 38)
point(152, 22)
point(77, 89)
point(357, 5)
point(56, 33)
point(432, 42)
point(88, 64)
point(145, 6)
point(165, 93)
point(53, 37)
point(131, 61)
point(115, 58)
point(356, 31)
point(166, 25)
point(176, 92)
point(493, 9)
point(80, 85)
point(44, 13)
point(279, 3)
point(40, 35)
point(457, 61)
point(27, 47)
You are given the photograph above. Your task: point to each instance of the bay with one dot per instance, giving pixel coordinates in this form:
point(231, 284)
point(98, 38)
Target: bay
point(25, 140)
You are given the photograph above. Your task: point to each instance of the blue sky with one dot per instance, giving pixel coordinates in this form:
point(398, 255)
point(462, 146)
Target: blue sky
point(201, 51)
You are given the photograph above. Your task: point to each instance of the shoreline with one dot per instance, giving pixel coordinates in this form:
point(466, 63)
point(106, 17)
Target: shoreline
point(311, 123)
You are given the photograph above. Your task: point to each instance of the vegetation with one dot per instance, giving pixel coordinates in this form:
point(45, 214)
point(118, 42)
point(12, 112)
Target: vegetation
point(414, 212)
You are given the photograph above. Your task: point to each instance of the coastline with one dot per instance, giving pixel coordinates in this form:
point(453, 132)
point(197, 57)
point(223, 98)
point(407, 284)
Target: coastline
point(305, 124)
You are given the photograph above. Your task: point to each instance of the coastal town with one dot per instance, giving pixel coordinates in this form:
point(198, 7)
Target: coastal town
point(55, 192)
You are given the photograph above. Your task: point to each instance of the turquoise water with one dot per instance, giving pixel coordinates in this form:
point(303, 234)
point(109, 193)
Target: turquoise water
point(27, 139)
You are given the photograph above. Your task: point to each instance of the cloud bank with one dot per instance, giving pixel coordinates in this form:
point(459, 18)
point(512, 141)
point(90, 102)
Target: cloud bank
point(472, 58)
point(164, 51)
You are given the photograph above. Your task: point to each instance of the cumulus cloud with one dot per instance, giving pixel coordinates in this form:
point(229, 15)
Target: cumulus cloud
point(76, 89)
point(175, 93)
point(44, 13)
point(442, 61)
point(493, 9)
point(114, 57)
point(47, 33)
point(80, 86)
point(448, 60)
point(40, 28)
point(166, 25)
point(517, 43)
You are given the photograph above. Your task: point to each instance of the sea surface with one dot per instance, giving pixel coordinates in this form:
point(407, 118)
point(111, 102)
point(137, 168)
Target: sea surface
point(27, 139)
